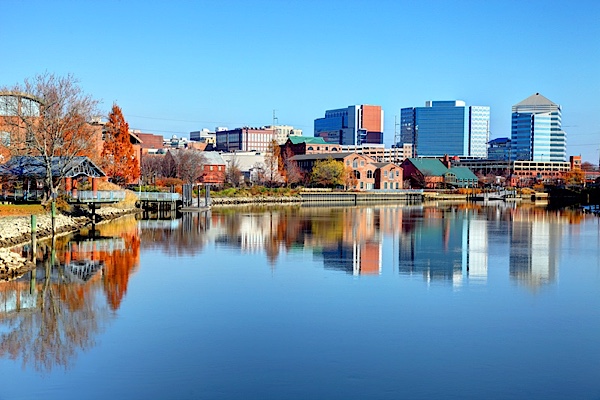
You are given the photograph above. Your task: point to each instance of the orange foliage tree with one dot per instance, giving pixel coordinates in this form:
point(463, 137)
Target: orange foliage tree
point(119, 160)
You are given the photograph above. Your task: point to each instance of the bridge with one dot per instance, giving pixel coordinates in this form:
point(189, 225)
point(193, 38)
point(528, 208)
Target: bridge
point(158, 200)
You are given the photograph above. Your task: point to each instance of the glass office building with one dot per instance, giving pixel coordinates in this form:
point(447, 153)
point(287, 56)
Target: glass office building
point(536, 131)
point(353, 125)
point(446, 127)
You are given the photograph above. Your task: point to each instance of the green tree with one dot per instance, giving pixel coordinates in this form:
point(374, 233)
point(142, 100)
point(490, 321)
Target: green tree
point(119, 160)
point(328, 173)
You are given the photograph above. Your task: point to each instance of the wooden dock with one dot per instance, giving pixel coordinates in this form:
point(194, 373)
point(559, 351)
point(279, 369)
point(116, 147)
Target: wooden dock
point(356, 198)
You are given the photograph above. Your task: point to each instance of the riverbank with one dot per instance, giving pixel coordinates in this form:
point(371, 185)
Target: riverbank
point(15, 231)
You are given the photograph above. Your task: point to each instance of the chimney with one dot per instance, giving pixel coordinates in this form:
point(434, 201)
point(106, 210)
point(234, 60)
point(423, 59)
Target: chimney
point(446, 161)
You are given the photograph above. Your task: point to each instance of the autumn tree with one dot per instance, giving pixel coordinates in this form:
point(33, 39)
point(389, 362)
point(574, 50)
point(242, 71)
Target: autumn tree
point(273, 167)
point(574, 177)
point(328, 173)
point(49, 117)
point(293, 173)
point(118, 156)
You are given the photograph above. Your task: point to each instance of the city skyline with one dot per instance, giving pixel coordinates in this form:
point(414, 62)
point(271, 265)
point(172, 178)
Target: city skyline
point(179, 67)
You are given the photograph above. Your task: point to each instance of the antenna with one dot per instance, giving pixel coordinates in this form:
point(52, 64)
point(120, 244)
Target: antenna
point(396, 138)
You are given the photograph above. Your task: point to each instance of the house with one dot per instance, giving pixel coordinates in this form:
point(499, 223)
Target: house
point(214, 168)
point(431, 173)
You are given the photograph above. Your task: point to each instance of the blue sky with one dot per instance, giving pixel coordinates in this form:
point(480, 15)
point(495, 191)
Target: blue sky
point(179, 66)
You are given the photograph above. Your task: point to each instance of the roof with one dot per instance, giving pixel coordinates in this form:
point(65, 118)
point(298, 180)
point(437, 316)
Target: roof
point(429, 166)
point(29, 166)
point(502, 140)
point(307, 140)
point(463, 173)
point(536, 100)
point(323, 156)
point(213, 158)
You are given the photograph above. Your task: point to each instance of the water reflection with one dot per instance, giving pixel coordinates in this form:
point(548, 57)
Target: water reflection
point(448, 242)
point(58, 309)
point(55, 311)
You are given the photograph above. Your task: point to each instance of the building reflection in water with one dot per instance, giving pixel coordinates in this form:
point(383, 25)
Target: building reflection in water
point(54, 311)
point(438, 242)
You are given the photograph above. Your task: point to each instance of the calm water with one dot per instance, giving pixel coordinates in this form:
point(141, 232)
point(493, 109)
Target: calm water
point(382, 302)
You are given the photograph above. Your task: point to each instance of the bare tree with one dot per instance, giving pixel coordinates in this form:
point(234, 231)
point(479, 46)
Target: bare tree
point(151, 167)
point(233, 172)
point(190, 164)
point(49, 117)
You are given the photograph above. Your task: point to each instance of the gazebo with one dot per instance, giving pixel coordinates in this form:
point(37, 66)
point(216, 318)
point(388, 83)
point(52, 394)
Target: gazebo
point(33, 168)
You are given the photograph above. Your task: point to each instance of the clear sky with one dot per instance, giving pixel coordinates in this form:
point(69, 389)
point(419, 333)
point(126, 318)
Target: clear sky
point(180, 66)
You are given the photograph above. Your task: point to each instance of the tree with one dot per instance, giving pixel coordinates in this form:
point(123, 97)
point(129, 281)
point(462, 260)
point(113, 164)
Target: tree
point(273, 165)
point(118, 156)
point(190, 165)
point(151, 167)
point(50, 117)
point(587, 166)
point(328, 173)
point(233, 172)
point(293, 173)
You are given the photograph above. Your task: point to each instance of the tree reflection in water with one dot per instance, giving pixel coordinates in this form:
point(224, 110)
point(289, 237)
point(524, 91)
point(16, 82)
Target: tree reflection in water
point(53, 312)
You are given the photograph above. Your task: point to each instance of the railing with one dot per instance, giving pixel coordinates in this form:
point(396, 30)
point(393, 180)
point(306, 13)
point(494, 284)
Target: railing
point(100, 196)
point(158, 196)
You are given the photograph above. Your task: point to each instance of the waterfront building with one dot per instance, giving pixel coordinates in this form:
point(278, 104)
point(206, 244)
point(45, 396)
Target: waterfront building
point(353, 125)
point(314, 145)
point(213, 169)
point(431, 173)
point(248, 163)
point(368, 173)
point(518, 173)
point(446, 127)
point(536, 131)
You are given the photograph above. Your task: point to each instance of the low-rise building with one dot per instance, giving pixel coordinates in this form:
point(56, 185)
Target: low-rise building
point(432, 173)
point(367, 173)
point(214, 168)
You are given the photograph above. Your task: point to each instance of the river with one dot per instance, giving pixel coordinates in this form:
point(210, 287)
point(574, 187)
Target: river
point(452, 301)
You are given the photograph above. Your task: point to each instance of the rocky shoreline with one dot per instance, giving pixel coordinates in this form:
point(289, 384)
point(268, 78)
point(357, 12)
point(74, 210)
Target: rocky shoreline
point(15, 231)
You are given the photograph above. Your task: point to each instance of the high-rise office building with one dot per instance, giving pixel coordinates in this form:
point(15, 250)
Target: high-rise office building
point(354, 125)
point(446, 127)
point(536, 130)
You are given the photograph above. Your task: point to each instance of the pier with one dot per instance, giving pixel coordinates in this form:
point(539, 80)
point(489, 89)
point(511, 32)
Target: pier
point(355, 198)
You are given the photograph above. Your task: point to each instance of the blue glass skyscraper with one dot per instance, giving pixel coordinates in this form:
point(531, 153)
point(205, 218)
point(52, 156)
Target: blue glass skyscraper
point(446, 127)
point(536, 131)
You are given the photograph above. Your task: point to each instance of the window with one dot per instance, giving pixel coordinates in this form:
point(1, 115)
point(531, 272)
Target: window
point(362, 163)
point(355, 163)
point(370, 174)
point(5, 139)
point(210, 168)
point(385, 185)
point(385, 173)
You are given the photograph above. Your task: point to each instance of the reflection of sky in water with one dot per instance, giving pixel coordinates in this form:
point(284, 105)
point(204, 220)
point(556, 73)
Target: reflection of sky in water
point(379, 302)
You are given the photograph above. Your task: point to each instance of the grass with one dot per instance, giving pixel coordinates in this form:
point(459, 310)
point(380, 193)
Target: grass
point(20, 210)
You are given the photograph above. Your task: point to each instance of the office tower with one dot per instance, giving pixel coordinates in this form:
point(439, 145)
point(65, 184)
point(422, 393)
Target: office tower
point(354, 125)
point(536, 131)
point(446, 127)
